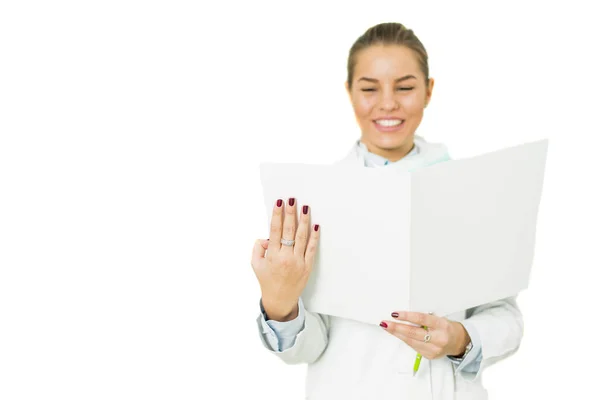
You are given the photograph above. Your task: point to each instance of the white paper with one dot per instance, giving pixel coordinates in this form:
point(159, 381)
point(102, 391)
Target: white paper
point(439, 239)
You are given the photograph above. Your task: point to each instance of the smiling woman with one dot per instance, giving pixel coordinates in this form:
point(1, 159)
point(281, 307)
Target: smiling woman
point(389, 87)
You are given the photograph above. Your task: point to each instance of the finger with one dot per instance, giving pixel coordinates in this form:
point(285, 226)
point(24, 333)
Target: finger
point(265, 243)
point(427, 350)
point(311, 247)
point(302, 232)
point(424, 349)
point(410, 331)
point(289, 221)
point(421, 319)
point(417, 345)
point(276, 226)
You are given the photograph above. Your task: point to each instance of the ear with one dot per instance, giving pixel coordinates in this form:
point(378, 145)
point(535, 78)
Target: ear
point(429, 91)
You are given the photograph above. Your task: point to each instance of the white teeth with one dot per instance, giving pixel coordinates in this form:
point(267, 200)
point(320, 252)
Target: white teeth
point(389, 122)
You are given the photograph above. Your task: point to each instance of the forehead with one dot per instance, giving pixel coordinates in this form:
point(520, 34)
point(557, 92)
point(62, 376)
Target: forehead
point(386, 62)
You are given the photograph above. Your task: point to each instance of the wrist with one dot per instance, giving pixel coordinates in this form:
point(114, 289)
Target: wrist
point(281, 312)
point(462, 340)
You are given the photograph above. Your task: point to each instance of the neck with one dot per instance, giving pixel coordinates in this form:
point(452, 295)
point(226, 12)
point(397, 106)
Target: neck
point(393, 154)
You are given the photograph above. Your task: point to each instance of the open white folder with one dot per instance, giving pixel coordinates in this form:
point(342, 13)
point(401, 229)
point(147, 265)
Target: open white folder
point(440, 239)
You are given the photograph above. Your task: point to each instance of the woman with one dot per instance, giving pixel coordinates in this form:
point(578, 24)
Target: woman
point(389, 86)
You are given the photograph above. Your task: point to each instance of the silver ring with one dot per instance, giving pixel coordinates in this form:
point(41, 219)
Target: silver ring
point(286, 242)
point(427, 338)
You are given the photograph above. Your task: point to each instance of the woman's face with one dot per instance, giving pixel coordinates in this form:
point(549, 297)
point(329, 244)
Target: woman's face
point(388, 96)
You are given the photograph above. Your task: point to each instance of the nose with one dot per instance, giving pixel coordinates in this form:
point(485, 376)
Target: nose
point(388, 101)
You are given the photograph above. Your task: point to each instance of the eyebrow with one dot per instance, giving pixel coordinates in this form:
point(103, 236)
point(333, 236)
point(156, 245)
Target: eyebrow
point(364, 78)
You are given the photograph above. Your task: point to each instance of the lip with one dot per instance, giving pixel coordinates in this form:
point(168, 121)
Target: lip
point(389, 128)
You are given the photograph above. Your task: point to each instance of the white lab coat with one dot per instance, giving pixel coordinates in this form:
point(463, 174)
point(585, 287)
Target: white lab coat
point(350, 360)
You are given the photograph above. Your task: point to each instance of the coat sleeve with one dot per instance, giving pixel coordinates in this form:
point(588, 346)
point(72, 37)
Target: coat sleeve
point(302, 340)
point(499, 328)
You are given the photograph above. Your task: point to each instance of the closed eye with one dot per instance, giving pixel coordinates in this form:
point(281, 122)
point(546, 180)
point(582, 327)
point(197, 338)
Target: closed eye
point(401, 89)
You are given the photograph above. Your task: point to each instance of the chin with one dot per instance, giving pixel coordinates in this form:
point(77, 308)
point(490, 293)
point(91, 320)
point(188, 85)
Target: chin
point(391, 143)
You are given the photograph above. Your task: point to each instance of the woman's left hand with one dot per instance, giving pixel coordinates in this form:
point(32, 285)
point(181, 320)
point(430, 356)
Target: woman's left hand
point(446, 338)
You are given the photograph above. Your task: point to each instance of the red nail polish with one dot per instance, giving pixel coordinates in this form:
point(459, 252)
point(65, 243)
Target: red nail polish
point(395, 314)
point(279, 203)
point(292, 201)
point(316, 228)
point(305, 210)
point(383, 324)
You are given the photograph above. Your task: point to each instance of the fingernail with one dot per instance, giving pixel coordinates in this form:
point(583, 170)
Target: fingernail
point(316, 228)
point(383, 325)
point(292, 201)
point(279, 203)
point(305, 209)
point(395, 314)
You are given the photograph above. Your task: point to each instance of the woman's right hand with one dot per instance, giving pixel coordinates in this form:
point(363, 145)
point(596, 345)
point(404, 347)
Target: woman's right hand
point(284, 271)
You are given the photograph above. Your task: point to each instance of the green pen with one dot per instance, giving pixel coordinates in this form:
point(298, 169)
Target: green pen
point(417, 363)
point(418, 360)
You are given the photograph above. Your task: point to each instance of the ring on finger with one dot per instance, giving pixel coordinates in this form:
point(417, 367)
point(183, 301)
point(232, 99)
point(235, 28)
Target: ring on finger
point(427, 337)
point(287, 242)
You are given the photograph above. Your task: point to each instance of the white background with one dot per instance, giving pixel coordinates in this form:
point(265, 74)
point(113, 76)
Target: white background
point(130, 138)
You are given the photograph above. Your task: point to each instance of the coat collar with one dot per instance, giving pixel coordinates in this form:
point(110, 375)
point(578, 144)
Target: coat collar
point(426, 154)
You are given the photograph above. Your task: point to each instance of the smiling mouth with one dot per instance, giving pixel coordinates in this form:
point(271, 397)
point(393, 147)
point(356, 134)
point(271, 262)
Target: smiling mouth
point(388, 122)
point(389, 125)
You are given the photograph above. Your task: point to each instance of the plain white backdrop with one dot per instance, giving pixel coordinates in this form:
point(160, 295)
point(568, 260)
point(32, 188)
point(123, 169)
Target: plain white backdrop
point(130, 138)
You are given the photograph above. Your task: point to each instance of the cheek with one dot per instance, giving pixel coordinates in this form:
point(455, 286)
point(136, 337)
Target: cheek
point(363, 106)
point(413, 104)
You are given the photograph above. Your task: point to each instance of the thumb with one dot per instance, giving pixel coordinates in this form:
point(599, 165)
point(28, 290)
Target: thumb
point(259, 250)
